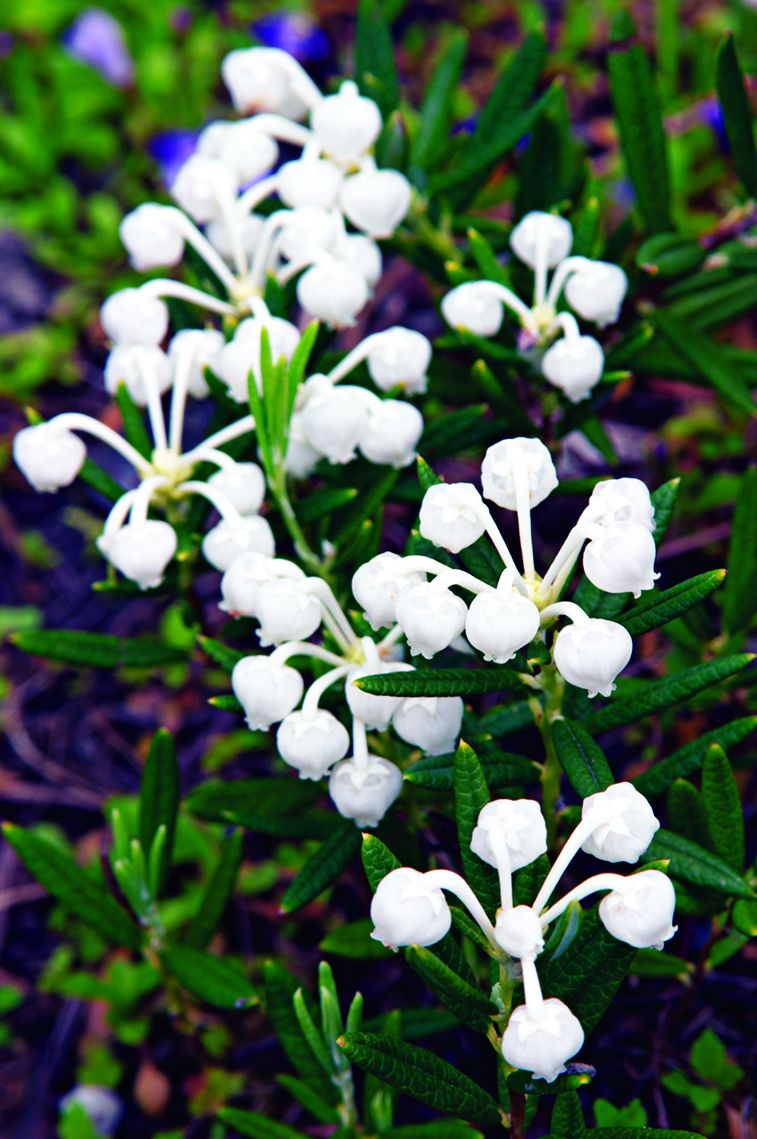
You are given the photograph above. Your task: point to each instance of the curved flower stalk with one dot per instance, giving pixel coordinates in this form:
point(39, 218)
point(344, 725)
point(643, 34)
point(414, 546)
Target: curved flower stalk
point(617, 825)
point(291, 608)
point(517, 474)
point(51, 455)
point(594, 290)
point(235, 169)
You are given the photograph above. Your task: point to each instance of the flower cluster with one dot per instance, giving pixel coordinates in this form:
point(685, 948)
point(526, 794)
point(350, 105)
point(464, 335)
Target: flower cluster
point(518, 474)
point(290, 608)
point(595, 290)
point(616, 825)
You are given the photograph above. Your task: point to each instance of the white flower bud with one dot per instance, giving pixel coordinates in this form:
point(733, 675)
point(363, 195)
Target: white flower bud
point(375, 201)
point(377, 584)
point(432, 723)
point(501, 461)
point(347, 124)
point(243, 485)
point(301, 458)
point(261, 79)
point(312, 742)
point(623, 821)
point(248, 229)
point(472, 308)
point(335, 418)
point(307, 232)
point(241, 146)
point(407, 910)
point(518, 931)
point(268, 692)
point(597, 291)
point(49, 456)
point(537, 227)
point(501, 622)
point(241, 583)
point(620, 500)
point(375, 711)
point(204, 346)
point(621, 559)
point(140, 551)
point(333, 291)
point(199, 185)
point(228, 539)
point(519, 823)
point(130, 363)
point(150, 237)
point(392, 434)
point(430, 617)
point(365, 793)
point(359, 252)
point(309, 182)
point(574, 365)
point(640, 911)
point(452, 515)
point(242, 354)
point(543, 1042)
point(591, 653)
point(132, 316)
point(399, 357)
point(288, 610)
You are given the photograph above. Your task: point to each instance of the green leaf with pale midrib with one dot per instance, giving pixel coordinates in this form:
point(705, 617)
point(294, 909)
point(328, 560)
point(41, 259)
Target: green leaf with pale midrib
point(471, 795)
point(468, 1003)
point(255, 1125)
point(217, 892)
point(690, 757)
point(97, 650)
point(504, 770)
point(159, 798)
point(659, 608)
point(214, 980)
point(737, 115)
point(434, 127)
point(708, 358)
point(581, 758)
point(323, 867)
point(697, 866)
point(440, 682)
point(722, 805)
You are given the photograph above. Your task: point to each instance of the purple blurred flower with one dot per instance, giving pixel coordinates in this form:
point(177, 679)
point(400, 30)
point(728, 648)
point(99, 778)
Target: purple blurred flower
point(97, 39)
point(293, 32)
point(6, 44)
point(170, 150)
point(711, 114)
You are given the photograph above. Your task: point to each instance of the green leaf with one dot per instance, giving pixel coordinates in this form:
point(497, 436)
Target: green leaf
point(322, 503)
point(640, 1133)
point(669, 255)
point(367, 505)
point(581, 758)
point(471, 794)
point(440, 682)
point(422, 1075)
point(353, 940)
point(690, 757)
point(217, 893)
point(740, 596)
point(55, 869)
point(659, 608)
point(271, 806)
point(213, 980)
point(468, 1003)
point(323, 1111)
point(159, 798)
point(722, 804)
point(378, 860)
point(567, 1117)
point(737, 115)
point(642, 136)
point(437, 108)
point(323, 868)
point(222, 655)
point(686, 812)
point(695, 865)
point(503, 769)
point(708, 359)
point(280, 987)
point(97, 650)
point(439, 1129)
point(375, 69)
point(133, 421)
point(744, 917)
point(669, 692)
point(255, 1125)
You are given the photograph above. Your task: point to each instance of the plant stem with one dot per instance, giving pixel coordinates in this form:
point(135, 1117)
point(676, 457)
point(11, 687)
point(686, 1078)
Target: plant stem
point(302, 547)
point(553, 687)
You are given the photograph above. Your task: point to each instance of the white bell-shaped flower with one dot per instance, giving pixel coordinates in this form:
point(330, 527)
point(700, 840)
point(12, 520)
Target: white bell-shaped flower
point(132, 316)
point(140, 551)
point(452, 515)
point(640, 911)
point(241, 146)
point(377, 584)
point(201, 184)
point(375, 711)
point(308, 231)
point(347, 124)
point(501, 462)
point(517, 822)
point(591, 653)
point(151, 238)
point(263, 79)
point(541, 230)
point(204, 345)
point(312, 742)
point(288, 610)
point(243, 485)
point(309, 182)
point(301, 458)
point(430, 617)
point(542, 1042)
point(246, 234)
point(333, 291)
point(431, 723)
point(621, 559)
point(392, 434)
point(574, 364)
point(623, 821)
point(375, 201)
point(620, 500)
point(359, 252)
point(240, 584)
point(365, 793)
point(49, 456)
point(597, 291)
point(519, 932)
point(267, 692)
point(399, 357)
point(407, 910)
point(470, 307)
point(335, 418)
point(242, 354)
point(133, 365)
point(228, 539)
point(501, 622)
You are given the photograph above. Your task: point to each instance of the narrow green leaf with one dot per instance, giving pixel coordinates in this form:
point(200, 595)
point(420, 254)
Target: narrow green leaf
point(214, 980)
point(737, 115)
point(323, 1111)
point(55, 869)
point(368, 504)
point(159, 798)
point(270, 806)
point(217, 893)
point(468, 1003)
point(375, 69)
point(640, 1133)
point(439, 1129)
point(695, 865)
point(722, 804)
point(93, 475)
point(221, 654)
point(581, 758)
point(353, 939)
point(690, 757)
point(97, 650)
point(255, 1125)
point(422, 1075)
point(740, 596)
point(135, 431)
point(311, 1032)
point(440, 682)
point(323, 503)
point(707, 358)
point(378, 860)
point(471, 794)
point(437, 108)
point(744, 916)
point(686, 812)
point(280, 987)
point(323, 868)
point(503, 769)
point(567, 1117)
point(501, 721)
point(658, 609)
